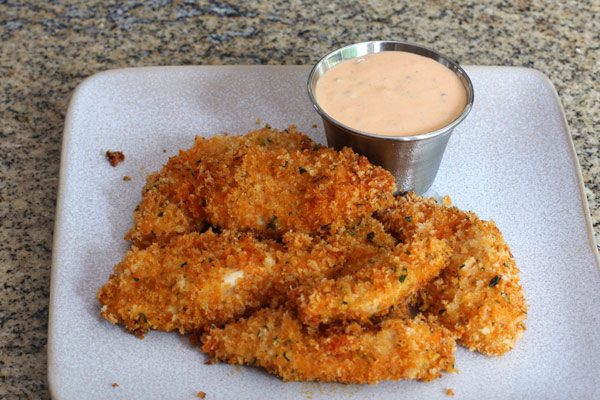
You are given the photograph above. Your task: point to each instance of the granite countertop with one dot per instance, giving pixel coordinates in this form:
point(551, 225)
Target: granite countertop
point(47, 49)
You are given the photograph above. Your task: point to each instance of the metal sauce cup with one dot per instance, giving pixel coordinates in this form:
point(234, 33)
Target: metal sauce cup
point(413, 160)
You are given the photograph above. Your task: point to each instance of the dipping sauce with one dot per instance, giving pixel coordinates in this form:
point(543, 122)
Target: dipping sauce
point(392, 93)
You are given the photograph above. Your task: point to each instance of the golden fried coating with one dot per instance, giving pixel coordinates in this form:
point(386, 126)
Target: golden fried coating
point(202, 279)
point(361, 243)
point(195, 280)
point(388, 279)
point(170, 204)
point(280, 253)
point(275, 340)
point(478, 296)
point(272, 191)
point(352, 246)
point(267, 181)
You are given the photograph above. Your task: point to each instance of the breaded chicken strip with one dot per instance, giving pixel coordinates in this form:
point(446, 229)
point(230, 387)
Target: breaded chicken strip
point(478, 296)
point(317, 191)
point(388, 279)
point(267, 181)
point(173, 199)
point(202, 279)
point(361, 243)
point(277, 341)
point(353, 246)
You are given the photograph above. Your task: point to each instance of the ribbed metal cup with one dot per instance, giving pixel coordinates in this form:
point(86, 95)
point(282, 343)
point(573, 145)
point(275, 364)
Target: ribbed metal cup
point(413, 160)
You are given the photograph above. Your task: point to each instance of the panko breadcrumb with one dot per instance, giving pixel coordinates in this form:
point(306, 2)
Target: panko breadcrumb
point(268, 181)
point(275, 340)
point(202, 279)
point(114, 157)
point(276, 252)
point(478, 296)
point(386, 280)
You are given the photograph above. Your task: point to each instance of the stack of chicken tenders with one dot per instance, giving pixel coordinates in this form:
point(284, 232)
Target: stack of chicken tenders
point(273, 251)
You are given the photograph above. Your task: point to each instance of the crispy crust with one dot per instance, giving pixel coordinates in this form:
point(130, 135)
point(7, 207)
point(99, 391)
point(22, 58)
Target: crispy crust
point(478, 296)
point(277, 341)
point(268, 182)
point(386, 280)
point(202, 279)
point(308, 267)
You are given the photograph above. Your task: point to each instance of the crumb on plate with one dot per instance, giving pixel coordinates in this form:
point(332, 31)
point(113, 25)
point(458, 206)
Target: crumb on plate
point(126, 178)
point(115, 385)
point(115, 157)
point(449, 392)
point(201, 394)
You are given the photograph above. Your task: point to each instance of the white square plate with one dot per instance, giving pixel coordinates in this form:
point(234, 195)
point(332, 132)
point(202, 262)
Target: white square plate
point(511, 160)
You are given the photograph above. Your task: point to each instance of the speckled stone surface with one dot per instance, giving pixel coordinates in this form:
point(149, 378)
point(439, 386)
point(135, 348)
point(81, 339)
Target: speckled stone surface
point(47, 49)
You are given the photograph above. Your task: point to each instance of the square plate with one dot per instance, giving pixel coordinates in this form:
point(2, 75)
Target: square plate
point(511, 160)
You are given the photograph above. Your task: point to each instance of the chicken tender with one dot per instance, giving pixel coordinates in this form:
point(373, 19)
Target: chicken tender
point(268, 181)
point(173, 199)
point(478, 296)
point(276, 341)
point(202, 279)
point(352, 245)
point(389, 279)
point(274, 251)
point(272, 191)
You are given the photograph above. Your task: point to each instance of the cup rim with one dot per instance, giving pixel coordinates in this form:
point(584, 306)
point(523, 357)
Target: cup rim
point(456, 69)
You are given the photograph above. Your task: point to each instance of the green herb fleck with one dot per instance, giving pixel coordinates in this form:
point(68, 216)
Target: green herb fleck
point(352, 233)
point(370, 236)
point(407, 252)
point(408, 218)
point(272, 223)
point(203, 202)
point(142, 317)
point(285, 356)
point(183, 264)
point(302, 170)
point(402, 278)
point(494, 281)
point(461, 266)
point(160, 214)
point(325, 228)
point(136, 279)
point(442, 311)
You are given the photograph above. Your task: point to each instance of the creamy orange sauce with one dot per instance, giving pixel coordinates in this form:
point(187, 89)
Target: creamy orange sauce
point(392, 93)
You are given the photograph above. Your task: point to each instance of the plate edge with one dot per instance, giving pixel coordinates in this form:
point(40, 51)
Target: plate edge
point(582, 196)
point(57, 234)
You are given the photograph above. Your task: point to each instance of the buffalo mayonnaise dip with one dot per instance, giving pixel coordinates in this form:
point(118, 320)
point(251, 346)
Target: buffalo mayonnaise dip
point(392, 93)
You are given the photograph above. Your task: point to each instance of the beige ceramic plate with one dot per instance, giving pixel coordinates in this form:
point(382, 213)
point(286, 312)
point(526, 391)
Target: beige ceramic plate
point(511, 160)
